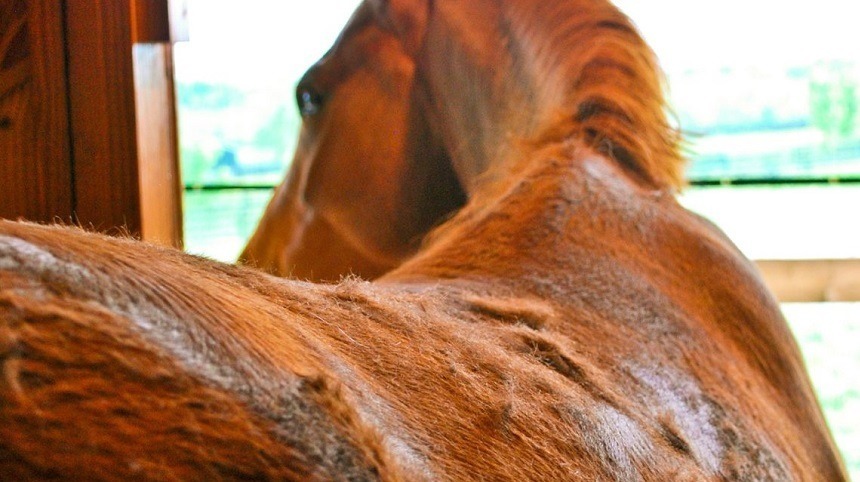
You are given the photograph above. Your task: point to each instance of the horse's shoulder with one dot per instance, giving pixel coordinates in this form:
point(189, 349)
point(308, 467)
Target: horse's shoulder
point(222, 349)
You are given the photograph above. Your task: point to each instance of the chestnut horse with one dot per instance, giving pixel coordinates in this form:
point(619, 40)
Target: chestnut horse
point(567, 321)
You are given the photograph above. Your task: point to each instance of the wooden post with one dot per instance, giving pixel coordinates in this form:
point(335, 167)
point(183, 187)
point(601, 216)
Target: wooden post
point(123, 118)
point(158, 151)
point(103, 117)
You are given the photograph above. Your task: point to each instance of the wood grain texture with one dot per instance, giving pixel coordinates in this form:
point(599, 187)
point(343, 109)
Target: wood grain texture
point(158, 152)
point(123, 118)
point(35, 165)
point(101, 92)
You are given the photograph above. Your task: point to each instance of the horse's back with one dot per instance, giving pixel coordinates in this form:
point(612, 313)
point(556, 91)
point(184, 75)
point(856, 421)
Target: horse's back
point(124, 361)
point(458, 379)
point(659, 312)
point(707, 353)
point(84, 396)
point(744, 353)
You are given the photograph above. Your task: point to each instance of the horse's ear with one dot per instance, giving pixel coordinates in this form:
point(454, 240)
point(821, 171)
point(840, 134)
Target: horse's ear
point(407, 17)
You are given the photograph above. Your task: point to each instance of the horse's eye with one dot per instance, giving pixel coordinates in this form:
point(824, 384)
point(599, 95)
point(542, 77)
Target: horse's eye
point(309, 101)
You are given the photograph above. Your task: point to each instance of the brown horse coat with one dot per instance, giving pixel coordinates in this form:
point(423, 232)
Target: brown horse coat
point(570, 322)
point(121, 359)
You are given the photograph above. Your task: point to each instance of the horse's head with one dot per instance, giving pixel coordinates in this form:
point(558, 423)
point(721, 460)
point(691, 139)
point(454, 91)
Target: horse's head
point(569, 69)
point(368, 178)
point(416, 99)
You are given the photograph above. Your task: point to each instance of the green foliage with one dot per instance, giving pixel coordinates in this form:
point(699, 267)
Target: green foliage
point(195, 163)
point(279, 132)
point(834, 104)
point(830, 351)
point(205, 96)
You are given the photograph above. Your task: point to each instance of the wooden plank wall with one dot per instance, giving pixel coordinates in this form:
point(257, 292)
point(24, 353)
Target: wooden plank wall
point(103, 119)
point(87, 116)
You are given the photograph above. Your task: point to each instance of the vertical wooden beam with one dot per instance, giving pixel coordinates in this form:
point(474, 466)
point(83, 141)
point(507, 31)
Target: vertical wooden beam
point(158, 143)
point(103, 117)
point(126, 172)
point(158, 151)
point(35, 166)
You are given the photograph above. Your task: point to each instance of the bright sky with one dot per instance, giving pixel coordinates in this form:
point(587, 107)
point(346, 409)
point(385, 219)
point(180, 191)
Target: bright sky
point(748, 32)
point(254, 39)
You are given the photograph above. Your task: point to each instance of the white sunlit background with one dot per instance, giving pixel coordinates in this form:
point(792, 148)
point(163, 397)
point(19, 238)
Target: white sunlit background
point(766, 91)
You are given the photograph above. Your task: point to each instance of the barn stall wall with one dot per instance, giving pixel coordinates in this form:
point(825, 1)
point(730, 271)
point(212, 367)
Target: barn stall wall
point(87, 116)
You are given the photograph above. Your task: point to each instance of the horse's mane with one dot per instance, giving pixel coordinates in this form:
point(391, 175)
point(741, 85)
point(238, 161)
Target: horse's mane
point(612, 87)
point(590, 68)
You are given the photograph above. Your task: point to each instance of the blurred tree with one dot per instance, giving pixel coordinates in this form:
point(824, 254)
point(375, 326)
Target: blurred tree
point(834, 102)
point(279, 132)
point(195, 163)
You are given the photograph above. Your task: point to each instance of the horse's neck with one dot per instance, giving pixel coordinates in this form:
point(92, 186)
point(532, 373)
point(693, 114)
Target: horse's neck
point(572, 227)
point(577, 232)
point(536, 217)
